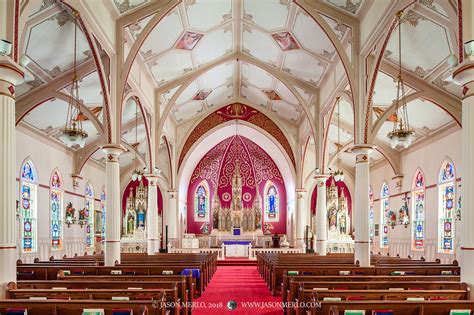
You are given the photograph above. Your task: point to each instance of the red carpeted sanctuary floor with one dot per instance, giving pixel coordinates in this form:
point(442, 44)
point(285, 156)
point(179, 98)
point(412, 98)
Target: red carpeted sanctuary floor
point(242, 284)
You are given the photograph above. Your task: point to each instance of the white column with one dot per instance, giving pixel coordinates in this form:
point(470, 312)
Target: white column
point(361, 211)
point(301, 217)
point(321, 216)
point(464, 76)
point(152, 216)
point(112, 203)
point(171, 217)
point(10, 75)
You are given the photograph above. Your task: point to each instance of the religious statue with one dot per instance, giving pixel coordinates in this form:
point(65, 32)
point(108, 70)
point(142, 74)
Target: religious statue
point(332, 218)
point(130, 223)
point(268, 227)
point(205, 228)
point(70, 214)
point(141, 219)
point(403, 215)
point(284, 242)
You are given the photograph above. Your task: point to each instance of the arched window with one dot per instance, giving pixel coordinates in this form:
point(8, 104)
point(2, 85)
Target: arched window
point(447, 207)
point(102, 207)
point(88, 215)
point(418, 211)
point(272, 202)
point(201, 203)
point(384, 213)
point(371, 212)
point(56, 214)
point(29, 203)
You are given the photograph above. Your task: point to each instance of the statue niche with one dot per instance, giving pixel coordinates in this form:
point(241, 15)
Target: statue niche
point(225, 219)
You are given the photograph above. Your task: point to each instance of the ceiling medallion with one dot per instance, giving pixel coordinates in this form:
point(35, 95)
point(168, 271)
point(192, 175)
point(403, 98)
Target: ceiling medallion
point(286, 41)
point(402, 135)
point(188, 41)
point(201, 95)
point(272, 95)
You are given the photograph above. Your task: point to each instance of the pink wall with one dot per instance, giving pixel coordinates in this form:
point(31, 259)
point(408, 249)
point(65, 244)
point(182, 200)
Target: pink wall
point(217, 168)
point(134, 185)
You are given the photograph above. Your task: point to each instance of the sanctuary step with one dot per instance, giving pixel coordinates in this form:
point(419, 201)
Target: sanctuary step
point(237, 262)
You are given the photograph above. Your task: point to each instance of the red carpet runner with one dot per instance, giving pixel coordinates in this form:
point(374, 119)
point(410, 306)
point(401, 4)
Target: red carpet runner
point(242, 284)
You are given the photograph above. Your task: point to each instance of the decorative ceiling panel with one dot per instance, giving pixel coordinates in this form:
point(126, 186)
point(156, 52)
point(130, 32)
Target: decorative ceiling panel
point(220, 95)
point(255, 76)
point(206, 14)
point(163, 36)
point(254, 95)
point(187, 110)
point(217, 76)
point(126, 5)
point(171, 65)
point(260, 45)
point(214, 45)
point(189, 92)
point(349, 6)
point(285, 93)
point(303, 65)
point(41, 117)
point(257, 12)
point(310, 35)
point(58, 32)
point(286, 111)
point(418, 31)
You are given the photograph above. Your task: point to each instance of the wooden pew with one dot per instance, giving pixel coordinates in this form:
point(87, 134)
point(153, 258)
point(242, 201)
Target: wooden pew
point(291, 283)
point(333, 270)
point(398, 307)
point(171, 295)
point(75, 307)
point(306, 297)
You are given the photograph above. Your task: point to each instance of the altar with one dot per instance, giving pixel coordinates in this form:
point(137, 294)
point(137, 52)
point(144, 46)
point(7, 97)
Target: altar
point(236, 248)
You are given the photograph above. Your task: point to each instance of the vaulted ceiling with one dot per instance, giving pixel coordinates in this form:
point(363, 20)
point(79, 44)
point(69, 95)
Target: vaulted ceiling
point(268, 53)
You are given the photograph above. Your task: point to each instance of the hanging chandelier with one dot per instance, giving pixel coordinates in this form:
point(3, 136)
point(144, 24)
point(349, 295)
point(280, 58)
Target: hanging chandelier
point(402, 135)
point(136, 174)
point(73, 133)
point(339, 174)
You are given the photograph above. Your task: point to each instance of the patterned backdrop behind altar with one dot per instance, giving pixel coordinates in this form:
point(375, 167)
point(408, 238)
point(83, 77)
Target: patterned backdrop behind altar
point(134, 185)
point(216, 169)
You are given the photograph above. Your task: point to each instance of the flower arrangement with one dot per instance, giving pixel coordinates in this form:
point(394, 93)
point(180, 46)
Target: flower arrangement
point(268, 227)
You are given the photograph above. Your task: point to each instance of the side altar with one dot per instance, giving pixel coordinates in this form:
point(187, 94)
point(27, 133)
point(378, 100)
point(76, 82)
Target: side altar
point(135, 223)
point(339, 239)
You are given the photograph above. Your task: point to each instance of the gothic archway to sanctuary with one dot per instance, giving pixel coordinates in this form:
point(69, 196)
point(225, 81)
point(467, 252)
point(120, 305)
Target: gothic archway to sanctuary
point(241, 179)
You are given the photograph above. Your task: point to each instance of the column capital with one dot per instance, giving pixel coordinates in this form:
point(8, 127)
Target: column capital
point(12, 72)
point(321, 178)
point(113, 150)
point(463, 75)
point(152, 179)
point(359, 149)
point(300, 192)
point(173, 193)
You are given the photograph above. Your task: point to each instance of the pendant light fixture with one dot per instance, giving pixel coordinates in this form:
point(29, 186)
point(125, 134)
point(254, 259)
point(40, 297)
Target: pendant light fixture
point(73, 134)
point(339, 174)
point(402, 135)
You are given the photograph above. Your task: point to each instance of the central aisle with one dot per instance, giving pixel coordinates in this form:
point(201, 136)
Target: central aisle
point(242, 284)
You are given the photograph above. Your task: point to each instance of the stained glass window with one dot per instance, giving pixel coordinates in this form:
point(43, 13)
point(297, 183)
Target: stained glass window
point(56, 199)
point(88, 215)
point(272, 202)
point(102, 207)
point(418, 211)
point(28, 213)
point(447, 207)
point(371, 212)
point(384, 215)
point(201, 206)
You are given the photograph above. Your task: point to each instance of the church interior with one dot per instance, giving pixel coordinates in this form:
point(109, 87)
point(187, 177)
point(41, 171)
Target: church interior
point(239, 156)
